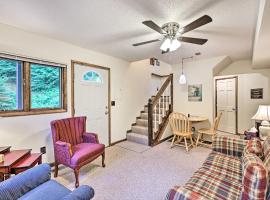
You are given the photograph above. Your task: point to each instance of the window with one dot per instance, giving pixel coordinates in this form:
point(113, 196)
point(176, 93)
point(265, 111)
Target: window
point(92, 76)
point(28, 86)
point(10, 85)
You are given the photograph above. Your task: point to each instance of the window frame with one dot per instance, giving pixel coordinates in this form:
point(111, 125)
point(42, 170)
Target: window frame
point(26, 88)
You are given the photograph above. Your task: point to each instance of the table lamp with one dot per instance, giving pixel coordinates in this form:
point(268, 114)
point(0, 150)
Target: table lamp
point(263, 115)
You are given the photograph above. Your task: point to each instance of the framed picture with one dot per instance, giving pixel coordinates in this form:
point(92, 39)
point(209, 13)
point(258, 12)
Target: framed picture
point(256, 93)
point(195, 92)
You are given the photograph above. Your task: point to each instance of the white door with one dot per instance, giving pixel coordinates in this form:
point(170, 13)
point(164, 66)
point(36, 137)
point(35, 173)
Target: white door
point(226, 103)
point(91, 99)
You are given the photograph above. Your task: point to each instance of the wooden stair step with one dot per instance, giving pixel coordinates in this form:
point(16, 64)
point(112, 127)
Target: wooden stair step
point(27, 162)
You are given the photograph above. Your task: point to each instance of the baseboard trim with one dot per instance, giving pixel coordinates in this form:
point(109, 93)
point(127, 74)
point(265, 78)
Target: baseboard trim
point(114, 143)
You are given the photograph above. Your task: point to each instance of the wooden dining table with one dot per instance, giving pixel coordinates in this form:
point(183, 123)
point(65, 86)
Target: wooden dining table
point(195, 119)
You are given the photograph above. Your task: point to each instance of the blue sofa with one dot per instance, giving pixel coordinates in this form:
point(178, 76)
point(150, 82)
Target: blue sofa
point(36, 184)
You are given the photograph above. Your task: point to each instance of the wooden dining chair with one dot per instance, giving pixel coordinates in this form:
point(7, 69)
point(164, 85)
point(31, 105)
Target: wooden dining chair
point(211, 132)
point(180, 128)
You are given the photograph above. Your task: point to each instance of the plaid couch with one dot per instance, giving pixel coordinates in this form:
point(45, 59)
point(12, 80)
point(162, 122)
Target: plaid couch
point(235, 169)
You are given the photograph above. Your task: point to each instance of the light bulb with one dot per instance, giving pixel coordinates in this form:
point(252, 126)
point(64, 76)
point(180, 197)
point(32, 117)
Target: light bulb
point(182, 79)
point(175, 44)
point(166, 44)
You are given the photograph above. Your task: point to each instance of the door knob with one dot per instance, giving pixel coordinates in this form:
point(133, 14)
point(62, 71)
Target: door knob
point(106, 113)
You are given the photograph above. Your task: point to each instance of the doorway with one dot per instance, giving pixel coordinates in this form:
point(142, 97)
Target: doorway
point(226, 103)
point(90, 97)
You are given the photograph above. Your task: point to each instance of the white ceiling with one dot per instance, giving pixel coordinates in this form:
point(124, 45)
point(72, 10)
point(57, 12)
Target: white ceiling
point(112, 26)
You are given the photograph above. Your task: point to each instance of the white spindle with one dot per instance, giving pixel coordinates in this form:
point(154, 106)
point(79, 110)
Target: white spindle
point(159, 116)
point(155, 118)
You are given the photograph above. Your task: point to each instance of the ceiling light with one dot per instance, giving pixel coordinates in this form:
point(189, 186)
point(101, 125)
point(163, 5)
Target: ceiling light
point(166, 44)
point(175, 44)
point(182, 79)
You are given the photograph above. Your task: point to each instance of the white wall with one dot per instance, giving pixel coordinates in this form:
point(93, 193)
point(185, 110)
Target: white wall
point(197, 72)
point(142, 85)
point(34, 131)
point(248, 78)
point(129, 86)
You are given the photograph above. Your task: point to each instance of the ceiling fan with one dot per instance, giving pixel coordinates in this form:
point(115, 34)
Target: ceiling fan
point(172, 33)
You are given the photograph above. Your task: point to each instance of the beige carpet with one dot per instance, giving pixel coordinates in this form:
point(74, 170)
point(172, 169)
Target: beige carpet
point(137, 176)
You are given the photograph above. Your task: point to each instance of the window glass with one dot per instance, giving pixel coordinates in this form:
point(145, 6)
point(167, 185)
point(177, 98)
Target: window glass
point(10, 85)
point(92, 76)
point(45, 86)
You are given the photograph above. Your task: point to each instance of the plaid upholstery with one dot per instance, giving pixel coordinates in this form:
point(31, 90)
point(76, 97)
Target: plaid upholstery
point(254, 146)
point(181, 193)
point(229, 146)
point(255, 178)
point(266, 147)
point(219, 178)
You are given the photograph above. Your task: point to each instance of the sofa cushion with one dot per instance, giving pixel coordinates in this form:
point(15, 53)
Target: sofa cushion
point(22, 183)
point(48, 190)
point(266, 147)
point(219, 178)
point(254, 146)
point(255, 178)
point(85, 151)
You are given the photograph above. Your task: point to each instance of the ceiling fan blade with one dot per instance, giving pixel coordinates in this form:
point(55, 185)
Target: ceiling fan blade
point(197, 23)
point(146, 42)
point(193, 40)
point(153, 26)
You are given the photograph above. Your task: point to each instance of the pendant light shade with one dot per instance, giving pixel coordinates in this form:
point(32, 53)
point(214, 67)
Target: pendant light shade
point(182, 79)
point(166, 44)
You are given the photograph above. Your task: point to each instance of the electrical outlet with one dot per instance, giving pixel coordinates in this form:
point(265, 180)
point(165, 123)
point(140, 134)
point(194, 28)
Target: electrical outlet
point(43, 150)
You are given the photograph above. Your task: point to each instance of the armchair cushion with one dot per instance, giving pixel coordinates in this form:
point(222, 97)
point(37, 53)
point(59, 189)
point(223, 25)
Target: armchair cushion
point(84, 151)
point(255, 178)
point(90, 138)
point(182, 193)
point(22, 183)
point(229, 146)
point(81, 193)
point(44, 192)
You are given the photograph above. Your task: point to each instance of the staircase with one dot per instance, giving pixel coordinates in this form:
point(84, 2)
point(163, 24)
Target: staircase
point(157, 110)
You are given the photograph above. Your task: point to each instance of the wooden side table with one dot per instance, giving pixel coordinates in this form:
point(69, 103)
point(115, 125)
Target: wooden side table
point(17, 161)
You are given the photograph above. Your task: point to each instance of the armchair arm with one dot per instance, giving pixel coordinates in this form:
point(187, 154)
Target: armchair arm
point(90, 138)
point(182, 193)
point(229, 146)
point(18, 185)
point(83, 192)
point(63, 152)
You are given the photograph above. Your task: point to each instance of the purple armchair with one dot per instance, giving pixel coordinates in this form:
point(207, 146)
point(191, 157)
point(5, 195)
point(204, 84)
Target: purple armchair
point(73, 146)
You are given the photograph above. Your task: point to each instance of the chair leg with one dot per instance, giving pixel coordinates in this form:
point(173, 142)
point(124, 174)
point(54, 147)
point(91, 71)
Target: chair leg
point(103, 159)
point(191, 140)
point(76, 172)
point(173, 140)
point(198, 139)
point(55, 169)
point(186, 144)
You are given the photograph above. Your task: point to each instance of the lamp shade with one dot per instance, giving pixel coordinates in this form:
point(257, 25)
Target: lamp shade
point(263, 113)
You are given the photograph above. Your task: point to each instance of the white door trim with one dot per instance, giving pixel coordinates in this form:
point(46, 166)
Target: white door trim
point(236, 97)
point(73, 62)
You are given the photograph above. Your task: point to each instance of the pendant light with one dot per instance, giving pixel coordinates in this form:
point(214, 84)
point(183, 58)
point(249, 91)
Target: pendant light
point(182, 79)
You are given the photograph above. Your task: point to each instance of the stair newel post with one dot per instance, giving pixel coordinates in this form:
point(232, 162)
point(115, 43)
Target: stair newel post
point(171, 90)
point(150, 122)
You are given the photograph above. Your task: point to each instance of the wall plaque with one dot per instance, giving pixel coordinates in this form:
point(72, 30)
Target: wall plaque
point(256, 93)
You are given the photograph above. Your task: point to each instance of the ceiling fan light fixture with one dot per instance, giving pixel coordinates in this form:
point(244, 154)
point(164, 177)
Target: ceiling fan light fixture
point(175, 44)
point(166, 44)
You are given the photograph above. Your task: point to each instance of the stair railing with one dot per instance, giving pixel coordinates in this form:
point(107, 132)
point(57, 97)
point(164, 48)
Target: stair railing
point(159, 109)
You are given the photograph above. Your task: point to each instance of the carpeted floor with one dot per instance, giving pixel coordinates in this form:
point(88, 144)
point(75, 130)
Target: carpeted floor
point(131, 175)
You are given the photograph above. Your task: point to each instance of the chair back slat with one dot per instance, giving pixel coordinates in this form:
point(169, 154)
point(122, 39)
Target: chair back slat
point(69, 130)
point(216, 122)
point(179, 122)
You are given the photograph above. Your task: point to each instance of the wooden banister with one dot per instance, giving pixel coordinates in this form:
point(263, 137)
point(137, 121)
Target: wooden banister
point(159, 109)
